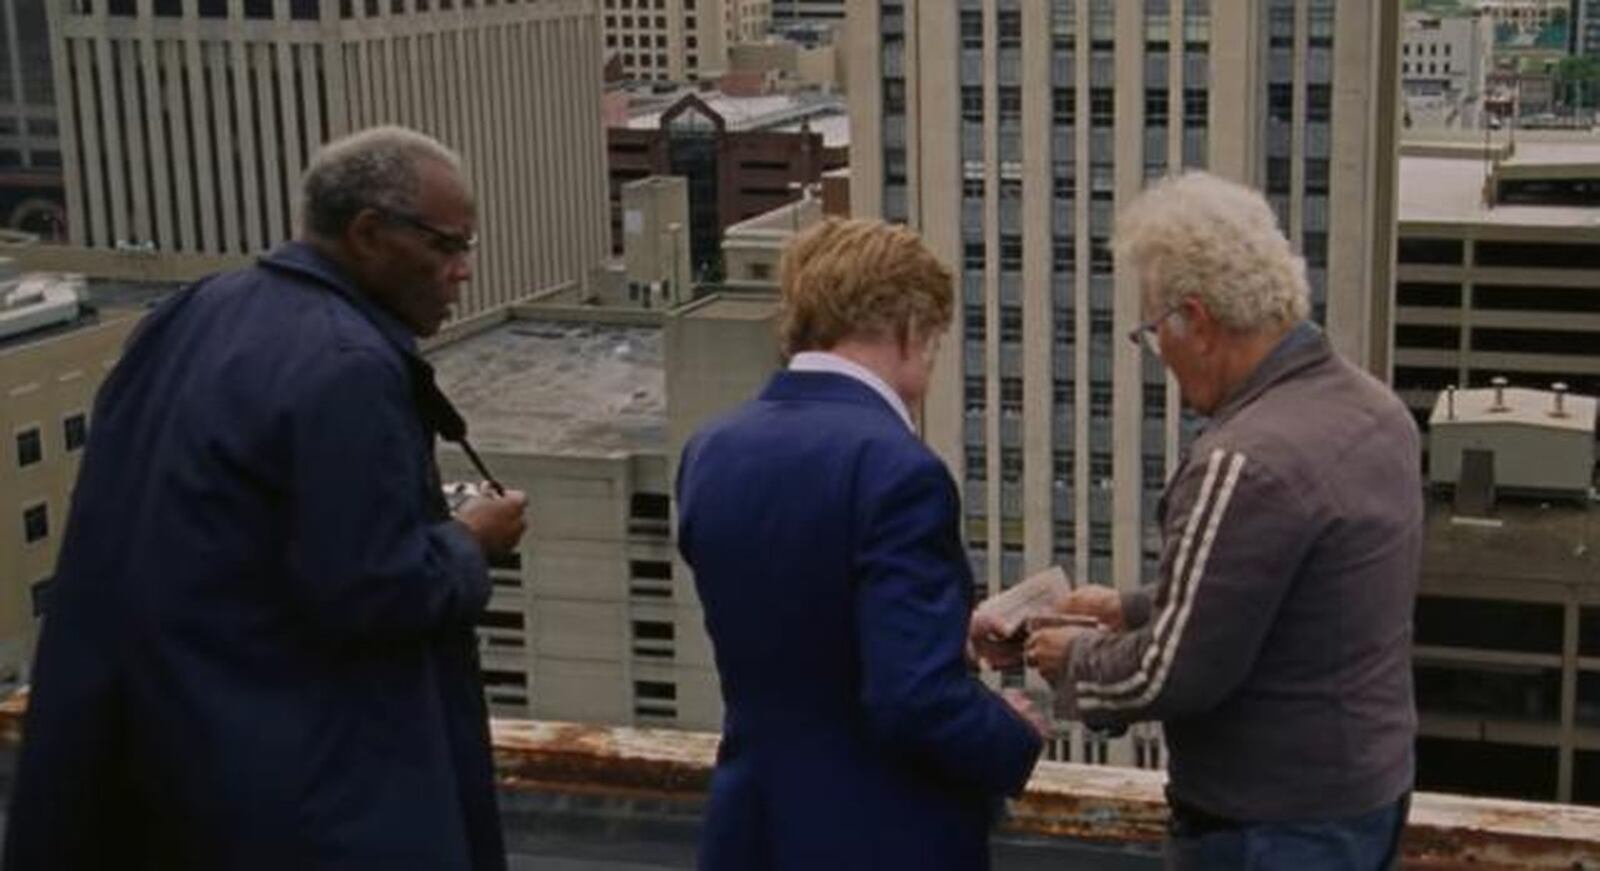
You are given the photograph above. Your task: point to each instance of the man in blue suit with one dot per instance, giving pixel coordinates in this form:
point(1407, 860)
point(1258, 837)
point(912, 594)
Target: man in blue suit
point(823, 537)
point(259, 649)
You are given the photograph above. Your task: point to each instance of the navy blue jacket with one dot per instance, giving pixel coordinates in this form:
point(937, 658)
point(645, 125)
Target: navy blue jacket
point(258, 650)
point(824, 541)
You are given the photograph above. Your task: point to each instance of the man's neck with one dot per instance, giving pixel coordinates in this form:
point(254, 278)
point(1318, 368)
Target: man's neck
point(879, 357)
point(1243, 356)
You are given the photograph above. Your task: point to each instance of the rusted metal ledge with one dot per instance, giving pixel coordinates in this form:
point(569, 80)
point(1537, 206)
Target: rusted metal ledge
point(1088, 803)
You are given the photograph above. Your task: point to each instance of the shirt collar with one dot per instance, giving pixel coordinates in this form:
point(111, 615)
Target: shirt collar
point(304, 259)
point(824, 361)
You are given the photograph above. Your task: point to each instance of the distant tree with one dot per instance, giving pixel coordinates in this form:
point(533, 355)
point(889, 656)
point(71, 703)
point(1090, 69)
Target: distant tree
point(1578, 81)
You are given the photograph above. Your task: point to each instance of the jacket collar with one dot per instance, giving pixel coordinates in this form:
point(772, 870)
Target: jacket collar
point(791, 384)
point(304, 260)
point(1301, 348)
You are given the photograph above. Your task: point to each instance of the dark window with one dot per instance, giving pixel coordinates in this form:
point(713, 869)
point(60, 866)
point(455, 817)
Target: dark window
point(1064, 253)
point(1427, 336)
point(1539, 255)
point(972, 103)
point(35, 523)
point(656, 570)
point(973, 393)
point(1317, 171)
point(1420, 250)
point(1280, 102)
point(971, 29)
point(1155, 107)
point(1011, 464)
point(1278, 173)
point(1423, 378)
point(1064, 106)
point(1010, 27)
point(1487, 769)
point(1100, 258)
point(1196, 108)
point(1550, 299)
point(1102, 107)
point(1589, 631)
point(1010, 103)
point(510, 561)
point(1011, 253)
point(1011, 394)
point(1010, 323)
point(1551, 192)
point(1488, 623)
point(1503, 693)
point(502, 620)
point(1319, 103)
point(656, 690)
point(653, 630)
point(975, 463)
point(258, 8)
point(30, 447)
point(40, 593)
point(1428, 295)
point(1581, 344)
point(74, 431)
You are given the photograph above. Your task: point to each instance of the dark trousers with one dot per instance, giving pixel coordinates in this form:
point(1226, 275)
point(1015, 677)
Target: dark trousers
point(1198, 841)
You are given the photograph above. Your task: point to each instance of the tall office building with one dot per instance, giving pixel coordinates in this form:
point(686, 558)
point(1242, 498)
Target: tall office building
point(1009, 133)
point(681, 40)
point(186, 123)
point(1584, 36)
point(30, 154)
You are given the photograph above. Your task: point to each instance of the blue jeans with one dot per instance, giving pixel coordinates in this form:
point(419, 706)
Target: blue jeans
point(1369, 842)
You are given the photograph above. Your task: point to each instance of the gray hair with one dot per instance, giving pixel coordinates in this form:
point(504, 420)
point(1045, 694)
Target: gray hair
point(373, 168)
point(1200, 235)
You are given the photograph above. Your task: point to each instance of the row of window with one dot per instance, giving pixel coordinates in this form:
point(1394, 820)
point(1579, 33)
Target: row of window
point(1529, 255)
point(688, 5)
point(30, 441)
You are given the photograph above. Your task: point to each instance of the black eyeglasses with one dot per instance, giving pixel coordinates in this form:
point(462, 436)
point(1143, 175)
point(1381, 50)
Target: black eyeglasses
point(1145, 333)
point(452, 244)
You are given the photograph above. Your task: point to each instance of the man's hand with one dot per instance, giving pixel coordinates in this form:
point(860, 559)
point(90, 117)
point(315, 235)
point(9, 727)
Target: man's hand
point(1048, 648)
point(1102, 603)
point(983, 638)
point(495, 521)
point(1025, 709)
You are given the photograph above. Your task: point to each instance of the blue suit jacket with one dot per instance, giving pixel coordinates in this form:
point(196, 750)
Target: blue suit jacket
point(258, 651)
point(824, 541)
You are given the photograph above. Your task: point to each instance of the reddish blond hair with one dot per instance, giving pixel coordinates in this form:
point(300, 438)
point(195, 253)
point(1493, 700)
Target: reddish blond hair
point(860, 278)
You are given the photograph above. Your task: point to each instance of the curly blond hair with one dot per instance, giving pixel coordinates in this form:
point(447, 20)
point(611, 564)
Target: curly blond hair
point(860, 278)
point(1199, 235)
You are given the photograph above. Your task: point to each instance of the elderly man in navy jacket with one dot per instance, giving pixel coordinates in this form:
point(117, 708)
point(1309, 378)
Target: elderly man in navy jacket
point(823, 537)
point(259, 648)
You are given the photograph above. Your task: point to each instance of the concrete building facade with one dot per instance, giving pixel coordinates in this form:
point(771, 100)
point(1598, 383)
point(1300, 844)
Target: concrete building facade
point(48, 379)
point(31, 196)
point(186, 124)
point(596, 618)
point(741, 156)
point(1498, 272)
point(1009, 133)
point(1444, 63)
point(681, 40)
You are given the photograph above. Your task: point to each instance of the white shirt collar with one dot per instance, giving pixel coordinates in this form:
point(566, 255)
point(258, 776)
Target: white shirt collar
point(823, 361)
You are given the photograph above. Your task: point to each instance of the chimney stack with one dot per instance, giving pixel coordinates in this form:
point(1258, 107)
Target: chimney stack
point(1560, 388)
point(1450, 402)
point(1499, 382)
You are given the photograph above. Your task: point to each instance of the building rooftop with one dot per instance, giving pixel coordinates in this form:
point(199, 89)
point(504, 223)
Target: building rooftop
point(551, 387)
point(1444, 182)
point(1519, 406)
point(835, 130)
point(1528, 540)
point(45, 305)
point(783, 112)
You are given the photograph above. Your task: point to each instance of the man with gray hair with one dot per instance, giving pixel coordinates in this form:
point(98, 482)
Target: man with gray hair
point(1275, 649)
point(259, 647)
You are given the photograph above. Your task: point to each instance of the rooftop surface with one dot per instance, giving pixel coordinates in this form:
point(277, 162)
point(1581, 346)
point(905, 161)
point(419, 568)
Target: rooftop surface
point(768, 112)
point(1529, 540)
point(548, 387)
point(1436, 188)
point(1521, 406)
point(100, 297)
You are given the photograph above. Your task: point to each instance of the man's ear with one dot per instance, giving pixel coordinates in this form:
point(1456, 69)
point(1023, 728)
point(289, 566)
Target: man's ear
point(362, 235)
